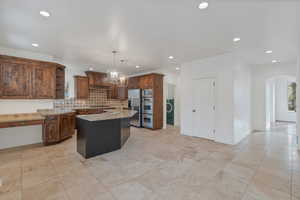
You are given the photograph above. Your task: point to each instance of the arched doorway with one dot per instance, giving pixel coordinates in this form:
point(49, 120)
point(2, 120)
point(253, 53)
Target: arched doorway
point(280, 101)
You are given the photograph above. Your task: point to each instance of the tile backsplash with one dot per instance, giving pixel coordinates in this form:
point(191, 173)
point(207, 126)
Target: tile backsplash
point(97, 97)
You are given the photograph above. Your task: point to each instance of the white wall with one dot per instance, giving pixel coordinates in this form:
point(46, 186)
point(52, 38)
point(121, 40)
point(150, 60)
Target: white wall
point(281, 100)
point(260, 75)
point(220, 68)
point(270, 103)
point(242, 102)
point(298, 98)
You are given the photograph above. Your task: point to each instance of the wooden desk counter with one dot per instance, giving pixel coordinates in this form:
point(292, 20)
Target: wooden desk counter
point(22, 119)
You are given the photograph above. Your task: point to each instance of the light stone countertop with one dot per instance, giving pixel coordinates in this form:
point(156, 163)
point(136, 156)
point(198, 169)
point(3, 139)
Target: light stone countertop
point(47, 112)
point(108, 115)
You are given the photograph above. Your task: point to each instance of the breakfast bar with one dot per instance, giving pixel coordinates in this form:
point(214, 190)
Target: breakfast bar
point(102, 133)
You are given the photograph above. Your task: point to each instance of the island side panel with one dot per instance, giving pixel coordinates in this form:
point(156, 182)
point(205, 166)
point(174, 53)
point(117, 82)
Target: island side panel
point(99, 137)
point(125, 130)
point(82, 130)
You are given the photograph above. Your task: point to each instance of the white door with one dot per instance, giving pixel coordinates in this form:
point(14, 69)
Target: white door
point(204, 108)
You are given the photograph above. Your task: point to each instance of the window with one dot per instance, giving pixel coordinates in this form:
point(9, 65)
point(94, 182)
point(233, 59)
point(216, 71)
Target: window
point(292, 96)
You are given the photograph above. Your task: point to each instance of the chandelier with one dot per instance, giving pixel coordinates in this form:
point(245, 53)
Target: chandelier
point(113, 76)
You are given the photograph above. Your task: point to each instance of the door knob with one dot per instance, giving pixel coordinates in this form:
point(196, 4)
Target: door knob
point(194, 110)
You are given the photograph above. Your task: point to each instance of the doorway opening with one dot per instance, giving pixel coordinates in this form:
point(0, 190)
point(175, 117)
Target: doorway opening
point(170, 104)
point(281, 103)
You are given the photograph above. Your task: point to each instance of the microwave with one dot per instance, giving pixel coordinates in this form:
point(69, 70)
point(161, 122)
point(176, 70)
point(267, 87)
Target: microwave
point(147, 93)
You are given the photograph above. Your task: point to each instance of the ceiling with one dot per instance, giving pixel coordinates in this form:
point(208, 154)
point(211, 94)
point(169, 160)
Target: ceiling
point(146, 33)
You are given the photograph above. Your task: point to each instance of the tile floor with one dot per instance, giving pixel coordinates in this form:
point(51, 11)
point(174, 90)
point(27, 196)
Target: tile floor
point(156, 165)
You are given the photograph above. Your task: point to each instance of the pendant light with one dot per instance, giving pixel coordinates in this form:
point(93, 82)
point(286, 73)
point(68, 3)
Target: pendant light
point(113, 75)
point(122, 77)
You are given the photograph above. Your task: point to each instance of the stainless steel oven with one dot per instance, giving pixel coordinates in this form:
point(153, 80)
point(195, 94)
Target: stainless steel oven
point(147, 105)
point(147, 120)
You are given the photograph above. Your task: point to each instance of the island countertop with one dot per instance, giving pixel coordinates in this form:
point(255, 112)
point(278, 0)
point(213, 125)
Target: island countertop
point(108, 115)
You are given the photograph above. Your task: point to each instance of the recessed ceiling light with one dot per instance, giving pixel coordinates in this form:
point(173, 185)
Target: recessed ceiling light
point(35, 45)
point(269, 51)
point(171, 57)
point(203, 5)
point(177, 68)
point(274, 61)
point(44, 13)
point(137, 66)
point(236, 39)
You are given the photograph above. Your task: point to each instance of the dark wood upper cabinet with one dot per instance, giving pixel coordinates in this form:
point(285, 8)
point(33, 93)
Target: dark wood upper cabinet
point(134, 82)
point(44, 82)
point(97, 79)
point(22, 78)
point(60, 82)
point(113, 91)
point(15, 80)
point(118, 92)
point(81, 87)
point(147, 81)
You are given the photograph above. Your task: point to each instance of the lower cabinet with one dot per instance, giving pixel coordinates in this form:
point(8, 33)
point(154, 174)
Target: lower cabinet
point(51, 130)
point(58, 127)
point(67, 126)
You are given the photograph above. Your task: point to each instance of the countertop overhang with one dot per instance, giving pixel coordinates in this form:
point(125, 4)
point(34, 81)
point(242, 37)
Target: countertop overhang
point(108, 115)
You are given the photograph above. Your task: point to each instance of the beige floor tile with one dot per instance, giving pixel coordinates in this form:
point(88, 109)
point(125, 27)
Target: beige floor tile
point(296, 185)
point(77, 178)
point(239, 171)
point(261, 192)
point(33, 164)
point(103, 196)
point(277, 181)
point(154, 180)
point(10, 180)
point(132, 191)
point(38, 176)
point(50, 190)
point(77, 193)
point(16, 195)
point(10, 159)
point(230, 185)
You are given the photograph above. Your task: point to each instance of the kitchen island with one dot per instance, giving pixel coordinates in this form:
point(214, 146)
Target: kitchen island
point(102, 133)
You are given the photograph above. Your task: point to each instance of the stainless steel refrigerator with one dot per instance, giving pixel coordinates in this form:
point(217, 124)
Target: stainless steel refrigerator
point(142, 102)
point(135, 103)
